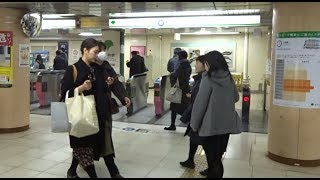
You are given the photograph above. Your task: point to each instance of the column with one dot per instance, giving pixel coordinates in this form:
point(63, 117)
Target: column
point(293, 130)
point(114, 40)
point(15, 100)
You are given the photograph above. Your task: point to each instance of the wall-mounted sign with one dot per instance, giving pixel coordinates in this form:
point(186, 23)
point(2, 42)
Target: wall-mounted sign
point(296, 73)
point(6, 63)
point(24, 54)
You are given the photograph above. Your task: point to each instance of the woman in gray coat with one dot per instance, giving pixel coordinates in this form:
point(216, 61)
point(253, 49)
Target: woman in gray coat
point(213, 115)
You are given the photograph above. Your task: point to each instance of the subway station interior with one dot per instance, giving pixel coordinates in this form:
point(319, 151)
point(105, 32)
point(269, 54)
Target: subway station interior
point(272, 50)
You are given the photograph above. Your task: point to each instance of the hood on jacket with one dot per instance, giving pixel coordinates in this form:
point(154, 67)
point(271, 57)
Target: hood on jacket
point(220, 77)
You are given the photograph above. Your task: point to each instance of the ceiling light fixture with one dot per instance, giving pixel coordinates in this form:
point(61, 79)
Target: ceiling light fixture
point(56, 16)
point(89, 34)
point(186, 13)
point(184, 22)
point(58, 24)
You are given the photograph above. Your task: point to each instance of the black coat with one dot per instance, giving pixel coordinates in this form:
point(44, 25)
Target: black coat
point(59, 63)
point(183, 75)
point(99, 90)
point(186, 116)
point(136, 65)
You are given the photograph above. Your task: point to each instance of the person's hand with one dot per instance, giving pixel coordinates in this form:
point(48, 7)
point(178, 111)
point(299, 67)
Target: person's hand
point(87, 85)
point(188, 95)
point(128, 102)
point(194, 130)
point(110, 80)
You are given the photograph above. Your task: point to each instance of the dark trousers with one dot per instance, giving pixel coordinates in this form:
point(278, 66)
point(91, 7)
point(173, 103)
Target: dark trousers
point(214, 147)
point(173, 118)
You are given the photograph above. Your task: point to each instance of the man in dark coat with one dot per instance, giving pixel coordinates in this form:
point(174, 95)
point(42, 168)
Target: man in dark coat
point(59, 63)
point(182, 74)
point(136, 64)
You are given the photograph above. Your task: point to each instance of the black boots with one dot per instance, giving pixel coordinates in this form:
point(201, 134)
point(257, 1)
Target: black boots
point(171, 128)
point(204, 172)
point(188, 164)
point(71, 174)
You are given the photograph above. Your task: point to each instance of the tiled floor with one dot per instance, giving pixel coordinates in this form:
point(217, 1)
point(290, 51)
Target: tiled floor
point(152, 153)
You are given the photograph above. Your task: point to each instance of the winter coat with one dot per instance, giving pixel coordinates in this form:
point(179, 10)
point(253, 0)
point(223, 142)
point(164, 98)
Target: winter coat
point(183, 75)
point(99, 90)
point(186, 116)
point(136, 65)
point(213, 111)
point(59, 63)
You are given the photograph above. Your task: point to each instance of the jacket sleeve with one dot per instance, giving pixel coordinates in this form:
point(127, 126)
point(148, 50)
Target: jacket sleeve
point(119, 91)
point(67, 83)
point(183, 77)
point(200, 104)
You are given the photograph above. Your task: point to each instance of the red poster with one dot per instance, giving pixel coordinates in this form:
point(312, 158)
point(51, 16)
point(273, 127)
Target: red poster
point(6, 38)
point(140, 49)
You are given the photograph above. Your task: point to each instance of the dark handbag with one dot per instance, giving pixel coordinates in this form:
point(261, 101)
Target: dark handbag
point(114, 106)
point(195, 138)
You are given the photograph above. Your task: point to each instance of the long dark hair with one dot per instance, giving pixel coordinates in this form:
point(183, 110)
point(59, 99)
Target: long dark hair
point(216, 62)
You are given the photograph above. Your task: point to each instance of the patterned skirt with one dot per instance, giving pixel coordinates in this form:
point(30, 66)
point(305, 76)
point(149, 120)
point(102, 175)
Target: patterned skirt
point(84, 155)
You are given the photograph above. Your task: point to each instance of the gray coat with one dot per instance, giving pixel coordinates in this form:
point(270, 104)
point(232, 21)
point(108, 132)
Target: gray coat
point(213, 111)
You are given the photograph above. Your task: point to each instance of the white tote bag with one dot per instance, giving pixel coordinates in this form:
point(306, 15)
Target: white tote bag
point(175, 94)
point(82, 114)
point(59, 118)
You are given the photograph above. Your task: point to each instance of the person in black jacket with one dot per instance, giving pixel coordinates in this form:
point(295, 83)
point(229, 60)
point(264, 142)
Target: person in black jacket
point(186, 116)
point(136, 64)
point(117, 88)
point(89, 82)
point(182, 74)
point(59, 63)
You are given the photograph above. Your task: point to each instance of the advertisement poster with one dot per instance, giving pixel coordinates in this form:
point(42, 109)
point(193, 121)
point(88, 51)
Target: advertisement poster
point(6, 63)
point(140, 49)
point(227, 48)
point(24, 53)
point(297, 64)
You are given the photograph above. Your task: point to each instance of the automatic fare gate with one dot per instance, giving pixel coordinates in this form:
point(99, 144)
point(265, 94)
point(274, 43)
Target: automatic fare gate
point(161, 89)
point(137, 88)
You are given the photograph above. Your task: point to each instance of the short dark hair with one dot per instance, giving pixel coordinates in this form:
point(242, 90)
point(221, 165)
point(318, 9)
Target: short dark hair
point(216, 61)
point(58, 52)
point(88, 44)
point(182, 54)
point(102, 46)
point(134, 52)
point(176, 50)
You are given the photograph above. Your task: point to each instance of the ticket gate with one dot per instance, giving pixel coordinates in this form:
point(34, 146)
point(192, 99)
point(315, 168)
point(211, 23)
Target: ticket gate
point(137, 88)
point(48, 86)
point(33, 79)
point(161, 89)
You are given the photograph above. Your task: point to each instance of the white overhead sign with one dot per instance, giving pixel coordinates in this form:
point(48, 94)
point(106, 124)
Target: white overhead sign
point(182, 22)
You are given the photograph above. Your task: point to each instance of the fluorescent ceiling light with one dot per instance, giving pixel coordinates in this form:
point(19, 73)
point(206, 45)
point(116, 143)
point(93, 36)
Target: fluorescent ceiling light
point(186, 13)
point(209, 33)
point(185, 22)
point(56, 16)
point(58, 24)
point(89, 34)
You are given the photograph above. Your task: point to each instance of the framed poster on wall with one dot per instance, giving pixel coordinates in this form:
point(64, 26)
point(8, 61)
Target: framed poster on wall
point(227, 48)
point(140, 49)
point(6, 62)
